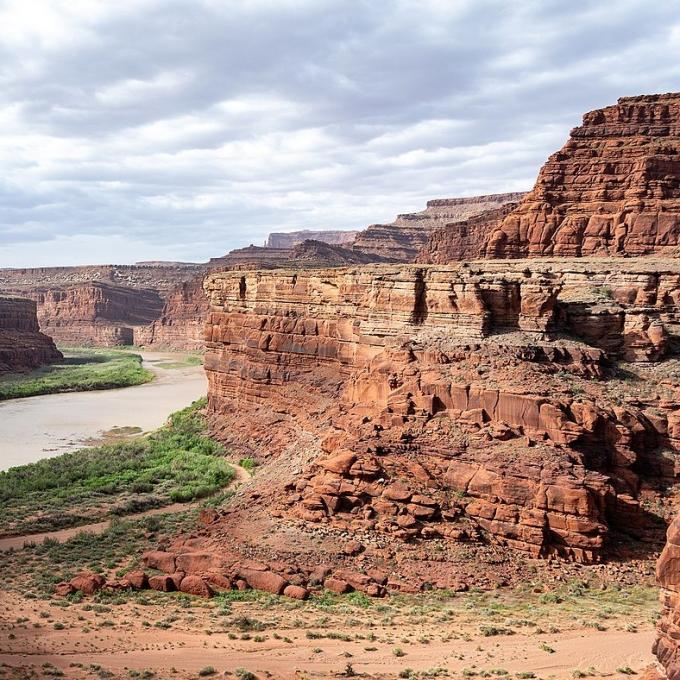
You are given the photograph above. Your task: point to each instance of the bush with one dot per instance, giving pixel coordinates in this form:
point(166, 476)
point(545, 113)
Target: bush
point(177, 462)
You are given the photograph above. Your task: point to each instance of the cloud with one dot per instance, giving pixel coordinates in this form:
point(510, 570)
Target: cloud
point(179, 129)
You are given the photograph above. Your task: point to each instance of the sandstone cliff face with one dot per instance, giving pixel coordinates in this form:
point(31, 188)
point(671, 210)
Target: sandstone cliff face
point(22, 345)
point(181, 322)
point(110, 305)
point(668, 628)
point(292, 238)
point(613, 189)
point(403, 239)
point(443, 398)
point(96, 313)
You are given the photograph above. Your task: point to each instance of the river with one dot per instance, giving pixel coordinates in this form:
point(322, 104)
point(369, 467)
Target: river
point(48, 425)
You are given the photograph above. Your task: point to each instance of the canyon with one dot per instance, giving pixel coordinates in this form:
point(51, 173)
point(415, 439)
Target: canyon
point(512, 391)
point(473, 395)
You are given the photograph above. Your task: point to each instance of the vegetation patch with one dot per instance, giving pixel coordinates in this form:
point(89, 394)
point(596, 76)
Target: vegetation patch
point(81, 370)
point(45, 564)
point(177, 463)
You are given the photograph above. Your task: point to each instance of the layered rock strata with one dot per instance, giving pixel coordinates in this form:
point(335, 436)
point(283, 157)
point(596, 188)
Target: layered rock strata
point(22, 345)
point(100, 314)
point(444, 398)
point(403, 239)
point(293, 238)
point(181, 321)
point(613, 189)
point(666, 646)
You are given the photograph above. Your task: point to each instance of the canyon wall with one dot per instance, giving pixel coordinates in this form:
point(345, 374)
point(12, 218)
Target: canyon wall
point(109, 305)
point(95, 313)
point(668, 627)
point(403, 239)
point(180, 325)
point(22, 345)
point(453, 401)
point(613, 189)
point(292, 238)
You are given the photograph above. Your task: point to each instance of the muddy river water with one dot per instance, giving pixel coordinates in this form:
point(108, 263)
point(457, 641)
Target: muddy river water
point(48, 425)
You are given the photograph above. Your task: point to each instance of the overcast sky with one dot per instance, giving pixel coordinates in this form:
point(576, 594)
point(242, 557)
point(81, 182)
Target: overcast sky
point(180, 129)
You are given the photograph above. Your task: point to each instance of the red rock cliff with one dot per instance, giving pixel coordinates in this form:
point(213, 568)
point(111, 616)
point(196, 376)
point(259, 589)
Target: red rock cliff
point(613, 189)
point(22, 345)
point(403, 239)
point(96, 313)
point(444, 396)
point(668, 628)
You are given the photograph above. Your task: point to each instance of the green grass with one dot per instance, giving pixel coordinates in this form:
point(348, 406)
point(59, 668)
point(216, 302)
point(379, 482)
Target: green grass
point(177, 463)
point(81, 370)
point(182, 362)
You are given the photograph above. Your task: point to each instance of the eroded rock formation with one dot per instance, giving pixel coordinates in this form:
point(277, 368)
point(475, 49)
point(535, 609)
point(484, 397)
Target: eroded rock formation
point(111, 305)
point(403, 239)
point(668, 628)
point(100, 314)
point(181, 322)
point(452, 401)
point(291, 239)
point(22, 345)
point(613, 189)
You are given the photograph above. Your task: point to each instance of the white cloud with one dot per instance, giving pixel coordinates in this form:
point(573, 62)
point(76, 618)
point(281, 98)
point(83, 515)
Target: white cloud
point(180, 129)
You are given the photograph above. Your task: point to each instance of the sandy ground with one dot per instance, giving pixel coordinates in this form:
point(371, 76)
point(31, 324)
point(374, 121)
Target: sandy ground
point(119, 641)
point(41, 427)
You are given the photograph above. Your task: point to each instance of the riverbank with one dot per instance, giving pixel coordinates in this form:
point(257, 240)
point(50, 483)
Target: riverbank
point(44, 426)
point(178, 463)
point(81, 370)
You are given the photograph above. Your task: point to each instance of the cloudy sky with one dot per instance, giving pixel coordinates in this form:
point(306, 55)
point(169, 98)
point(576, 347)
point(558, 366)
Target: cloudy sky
point(180, 129)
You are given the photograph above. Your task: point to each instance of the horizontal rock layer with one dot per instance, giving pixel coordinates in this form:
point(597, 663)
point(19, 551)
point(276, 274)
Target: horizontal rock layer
point(96, 313)
point(22, 345)
point(404, 238)
point(453, 384)
point(613, 189)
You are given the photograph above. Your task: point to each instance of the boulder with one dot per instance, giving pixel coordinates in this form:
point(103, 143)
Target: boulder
point(264, 580)
point(195, 585)
point(159, 559)
point(88, 582)
point(296, 592)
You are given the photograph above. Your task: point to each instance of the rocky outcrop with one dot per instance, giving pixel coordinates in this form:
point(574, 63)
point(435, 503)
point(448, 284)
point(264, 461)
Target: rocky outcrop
point(99, 314)
point(315, 254)
point(251, 257)
point(450, 402)
point(613, 189)
point(293, 238)
point(403, 239)
point(462, 240)
point(666, 646)
point(22, 345)
point(181, 322)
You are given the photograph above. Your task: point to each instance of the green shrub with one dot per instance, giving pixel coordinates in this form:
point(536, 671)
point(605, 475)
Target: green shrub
point(80, 370)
